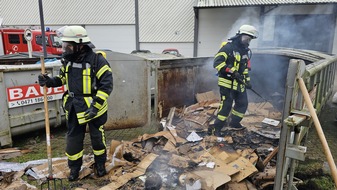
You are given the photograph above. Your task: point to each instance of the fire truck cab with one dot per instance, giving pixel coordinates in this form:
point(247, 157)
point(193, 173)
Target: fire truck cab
point(12, 41)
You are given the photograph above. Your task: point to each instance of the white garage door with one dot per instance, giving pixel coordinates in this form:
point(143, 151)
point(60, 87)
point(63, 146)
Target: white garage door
point(119, 38)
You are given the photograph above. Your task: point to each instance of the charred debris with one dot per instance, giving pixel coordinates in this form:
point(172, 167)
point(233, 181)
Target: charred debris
point(184, 156)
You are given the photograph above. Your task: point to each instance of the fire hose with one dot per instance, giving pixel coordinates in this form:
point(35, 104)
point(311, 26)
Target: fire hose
point(259, 95)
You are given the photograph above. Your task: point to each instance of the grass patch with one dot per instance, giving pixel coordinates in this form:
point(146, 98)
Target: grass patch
point(313, 176)
point(35, 142)
point(318, 183)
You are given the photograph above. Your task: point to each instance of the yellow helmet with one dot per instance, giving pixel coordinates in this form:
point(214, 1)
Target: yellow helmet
point(249, 30)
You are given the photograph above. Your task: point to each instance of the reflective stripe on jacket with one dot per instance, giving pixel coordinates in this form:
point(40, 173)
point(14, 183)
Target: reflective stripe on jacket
point(83, 89)
point(230, 58)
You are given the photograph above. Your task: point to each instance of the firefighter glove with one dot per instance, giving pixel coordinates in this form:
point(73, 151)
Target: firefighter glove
point(236, 75)
point(248, 85)
point(43, 79)
point(91, 112)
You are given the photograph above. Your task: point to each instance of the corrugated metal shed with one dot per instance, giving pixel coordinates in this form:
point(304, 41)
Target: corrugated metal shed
point(159, 21)
point(166, 20)
point(229, 3)
point(18, 12)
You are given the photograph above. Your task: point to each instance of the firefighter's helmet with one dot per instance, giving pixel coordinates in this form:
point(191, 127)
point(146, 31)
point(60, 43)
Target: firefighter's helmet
point(75, 34)
point(249, 30)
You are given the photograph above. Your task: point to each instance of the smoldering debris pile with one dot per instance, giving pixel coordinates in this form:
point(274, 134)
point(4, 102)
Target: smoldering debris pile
point(184, 156)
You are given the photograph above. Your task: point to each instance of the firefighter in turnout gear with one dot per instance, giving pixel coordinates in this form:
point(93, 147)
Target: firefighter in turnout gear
point(231, 63)
point(88, 78)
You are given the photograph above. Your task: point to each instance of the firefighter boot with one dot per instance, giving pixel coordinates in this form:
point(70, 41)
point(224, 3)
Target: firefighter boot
point(215, 129)
point(100, 169)
point(235, 124)
point(75, 167)
point(74, 174)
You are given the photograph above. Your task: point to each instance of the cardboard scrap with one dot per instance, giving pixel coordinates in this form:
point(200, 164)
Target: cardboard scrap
point(118, 181)
point(179, 161)
point(210, 180)
point(224, 168)
point(201, 156)
point(8, 153)
point(198, 119)
point(166, 134)
point(272, 122)
point(245, 167)
point(224, 156)
point(236, 185)
point(249, 154)
point(214, 105)
point(270, 134)
point(113, 147)
point(115, 156)
point(177, 138)
point(9, 150)
point(193, 108)
point(61, 170)
point(18, 184)
point(206, 96)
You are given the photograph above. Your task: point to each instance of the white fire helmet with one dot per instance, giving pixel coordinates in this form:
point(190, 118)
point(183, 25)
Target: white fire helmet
point(75, 34)
point(249, 30)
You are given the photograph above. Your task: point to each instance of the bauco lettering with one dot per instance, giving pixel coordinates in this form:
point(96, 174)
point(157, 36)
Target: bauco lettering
point(23, 92)
point(31, 94)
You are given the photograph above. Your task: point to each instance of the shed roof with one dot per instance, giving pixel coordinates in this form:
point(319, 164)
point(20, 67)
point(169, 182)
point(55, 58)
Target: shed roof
point(231, 3)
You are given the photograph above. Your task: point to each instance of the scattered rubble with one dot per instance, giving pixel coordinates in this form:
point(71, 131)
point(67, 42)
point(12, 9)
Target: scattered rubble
point(184, 156)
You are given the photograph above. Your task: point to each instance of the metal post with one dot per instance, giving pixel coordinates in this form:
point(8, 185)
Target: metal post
point(196, 32)
point(42, 29)
point(293, 162)
point(292, 70)
point(137, 24)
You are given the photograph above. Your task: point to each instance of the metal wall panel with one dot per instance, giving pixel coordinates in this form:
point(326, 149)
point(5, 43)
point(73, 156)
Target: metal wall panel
point(166, 20)
point(18, 12)
point(119, 38)
point(130, 100)
point(179, 80)
point(129, 103)
point(227, 3)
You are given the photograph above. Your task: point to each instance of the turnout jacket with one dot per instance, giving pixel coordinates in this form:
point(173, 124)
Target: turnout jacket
point(232, 57)
point(89, 83)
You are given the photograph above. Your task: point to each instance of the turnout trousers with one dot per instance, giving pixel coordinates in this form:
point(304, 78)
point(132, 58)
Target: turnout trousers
point(75, 138)
point(228, 96)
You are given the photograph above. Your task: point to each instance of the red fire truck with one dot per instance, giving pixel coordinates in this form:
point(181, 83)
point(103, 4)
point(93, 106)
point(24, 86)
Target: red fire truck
point(12, 41)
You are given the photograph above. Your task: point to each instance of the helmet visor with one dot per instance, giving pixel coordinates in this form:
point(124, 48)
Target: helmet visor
point(245, 39)
point(67, 48)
